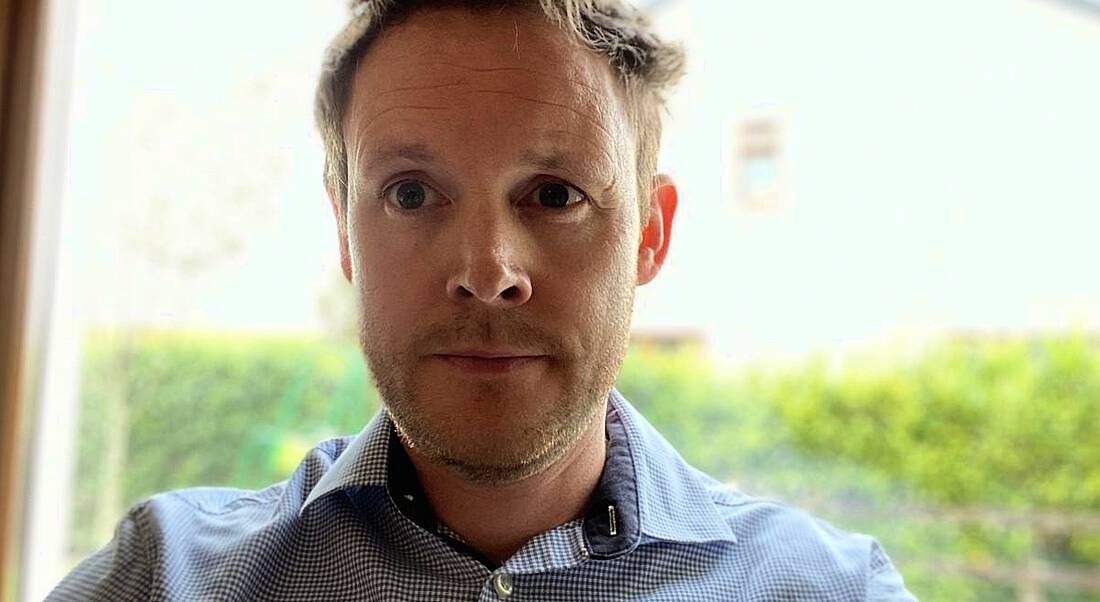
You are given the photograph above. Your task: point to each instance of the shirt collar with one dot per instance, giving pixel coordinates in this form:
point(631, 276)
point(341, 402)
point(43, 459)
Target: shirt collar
point(362, 463)
point(676, 502)
point(652, 490)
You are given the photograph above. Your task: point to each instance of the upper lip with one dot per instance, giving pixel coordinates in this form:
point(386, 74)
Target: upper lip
point(490, 352)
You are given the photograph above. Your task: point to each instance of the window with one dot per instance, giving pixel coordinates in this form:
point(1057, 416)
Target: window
point(887, 353)
point(758, 165)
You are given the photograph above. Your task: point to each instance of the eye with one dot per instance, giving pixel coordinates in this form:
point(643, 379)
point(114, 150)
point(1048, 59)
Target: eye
point(556, 195)
point(410, 194)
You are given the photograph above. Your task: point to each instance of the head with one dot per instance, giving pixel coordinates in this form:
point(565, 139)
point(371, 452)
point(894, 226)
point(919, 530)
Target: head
point(491, 168)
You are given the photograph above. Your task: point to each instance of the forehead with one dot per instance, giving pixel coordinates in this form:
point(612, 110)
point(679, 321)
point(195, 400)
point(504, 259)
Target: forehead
point(485, 72)
point(514, 44)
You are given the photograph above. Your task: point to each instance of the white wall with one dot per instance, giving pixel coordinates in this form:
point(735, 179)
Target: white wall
point(943, 163)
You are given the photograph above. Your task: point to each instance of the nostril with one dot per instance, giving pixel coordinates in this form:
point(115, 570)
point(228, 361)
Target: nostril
point(510, 295)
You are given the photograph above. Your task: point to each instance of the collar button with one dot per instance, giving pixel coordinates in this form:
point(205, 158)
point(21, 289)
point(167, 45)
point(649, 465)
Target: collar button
point(502, 583)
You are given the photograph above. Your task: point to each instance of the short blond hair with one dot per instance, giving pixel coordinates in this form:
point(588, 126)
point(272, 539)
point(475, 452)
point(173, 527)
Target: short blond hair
point(647, 67)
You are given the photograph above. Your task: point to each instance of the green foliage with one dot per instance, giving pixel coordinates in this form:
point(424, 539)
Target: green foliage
point(207, 410)
point(697, 409)
point(1008, 424)
point(1004, 424)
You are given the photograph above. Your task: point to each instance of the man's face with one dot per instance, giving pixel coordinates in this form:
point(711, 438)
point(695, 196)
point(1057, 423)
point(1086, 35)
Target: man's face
point(492, 235)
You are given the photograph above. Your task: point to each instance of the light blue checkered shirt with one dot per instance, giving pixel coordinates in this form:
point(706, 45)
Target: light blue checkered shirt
point(657, 529)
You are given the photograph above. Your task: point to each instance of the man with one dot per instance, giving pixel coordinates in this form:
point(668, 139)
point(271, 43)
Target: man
point(490, 167)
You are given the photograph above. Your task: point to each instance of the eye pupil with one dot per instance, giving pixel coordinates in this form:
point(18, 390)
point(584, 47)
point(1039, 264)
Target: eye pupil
point(553, 195)
point(410, 195)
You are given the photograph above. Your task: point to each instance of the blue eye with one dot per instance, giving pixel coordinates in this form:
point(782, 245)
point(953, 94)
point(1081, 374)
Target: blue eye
point(557, 195)
point(410, 194)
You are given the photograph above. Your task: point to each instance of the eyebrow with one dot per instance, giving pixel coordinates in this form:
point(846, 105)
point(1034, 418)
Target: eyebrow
point(543, 161)
point(420, 153)
point(410, 152)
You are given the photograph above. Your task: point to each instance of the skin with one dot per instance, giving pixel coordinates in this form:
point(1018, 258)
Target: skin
point(483, 111)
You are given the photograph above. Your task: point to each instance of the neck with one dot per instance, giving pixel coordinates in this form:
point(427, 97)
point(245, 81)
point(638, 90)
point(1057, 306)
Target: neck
point(496, 520)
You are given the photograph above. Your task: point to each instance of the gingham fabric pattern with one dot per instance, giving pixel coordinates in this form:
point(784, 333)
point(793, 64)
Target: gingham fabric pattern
point(333, 531)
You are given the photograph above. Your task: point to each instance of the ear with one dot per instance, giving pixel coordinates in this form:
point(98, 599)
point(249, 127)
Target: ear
point(657, 230)
point(339, 211)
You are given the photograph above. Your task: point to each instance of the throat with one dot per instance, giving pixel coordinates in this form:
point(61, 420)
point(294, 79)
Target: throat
point(497, 520)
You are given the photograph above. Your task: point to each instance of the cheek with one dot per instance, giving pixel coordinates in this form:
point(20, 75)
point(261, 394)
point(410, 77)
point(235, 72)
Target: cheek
point(388, 278)
point(601, 236)
point(590, 274)
point(381, 254)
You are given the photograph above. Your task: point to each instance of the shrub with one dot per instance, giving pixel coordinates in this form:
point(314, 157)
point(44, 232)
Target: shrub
point(1000, 423)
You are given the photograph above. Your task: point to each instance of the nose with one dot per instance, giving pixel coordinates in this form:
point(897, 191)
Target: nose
point(489, 269)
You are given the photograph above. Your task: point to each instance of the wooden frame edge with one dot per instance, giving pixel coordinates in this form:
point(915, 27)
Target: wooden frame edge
point(21, 63)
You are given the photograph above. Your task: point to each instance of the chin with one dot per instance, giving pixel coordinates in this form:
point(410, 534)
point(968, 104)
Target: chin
point(493, 436)
point(497, 458)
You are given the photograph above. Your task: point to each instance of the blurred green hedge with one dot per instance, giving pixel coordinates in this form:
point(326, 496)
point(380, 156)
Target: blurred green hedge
point(1004, 424)
point(190, 409)
point(1007, 423)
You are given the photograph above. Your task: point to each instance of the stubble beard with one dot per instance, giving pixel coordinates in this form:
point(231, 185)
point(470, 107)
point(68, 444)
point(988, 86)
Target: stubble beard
point(528, 446)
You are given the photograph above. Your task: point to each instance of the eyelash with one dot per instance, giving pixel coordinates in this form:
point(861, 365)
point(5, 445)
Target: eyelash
point(581, 200)
point(388, 190)
point(582, 197)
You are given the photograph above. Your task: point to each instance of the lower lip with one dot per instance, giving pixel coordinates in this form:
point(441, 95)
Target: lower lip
point(496, 365)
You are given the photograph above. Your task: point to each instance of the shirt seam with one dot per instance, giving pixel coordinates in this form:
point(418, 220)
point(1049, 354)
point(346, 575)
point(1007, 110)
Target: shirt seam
point(751, 501)
point(230, 506)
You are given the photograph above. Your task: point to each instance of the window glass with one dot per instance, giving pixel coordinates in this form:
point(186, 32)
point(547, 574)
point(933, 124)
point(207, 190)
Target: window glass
point(907, 345)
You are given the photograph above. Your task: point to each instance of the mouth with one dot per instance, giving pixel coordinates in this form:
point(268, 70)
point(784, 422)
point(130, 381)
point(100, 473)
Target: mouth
point(490, 362)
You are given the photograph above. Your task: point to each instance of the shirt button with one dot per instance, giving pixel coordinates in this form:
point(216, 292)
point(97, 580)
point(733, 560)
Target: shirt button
point(502, 582)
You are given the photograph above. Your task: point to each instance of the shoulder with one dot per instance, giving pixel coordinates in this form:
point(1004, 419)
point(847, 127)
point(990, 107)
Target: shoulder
point(176, 515)
point(165, 533)
point(171, 509)
point(805, 553)
point(764, 547)
point(119, 570)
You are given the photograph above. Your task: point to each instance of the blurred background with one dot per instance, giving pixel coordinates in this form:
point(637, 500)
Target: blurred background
point(881, 304)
